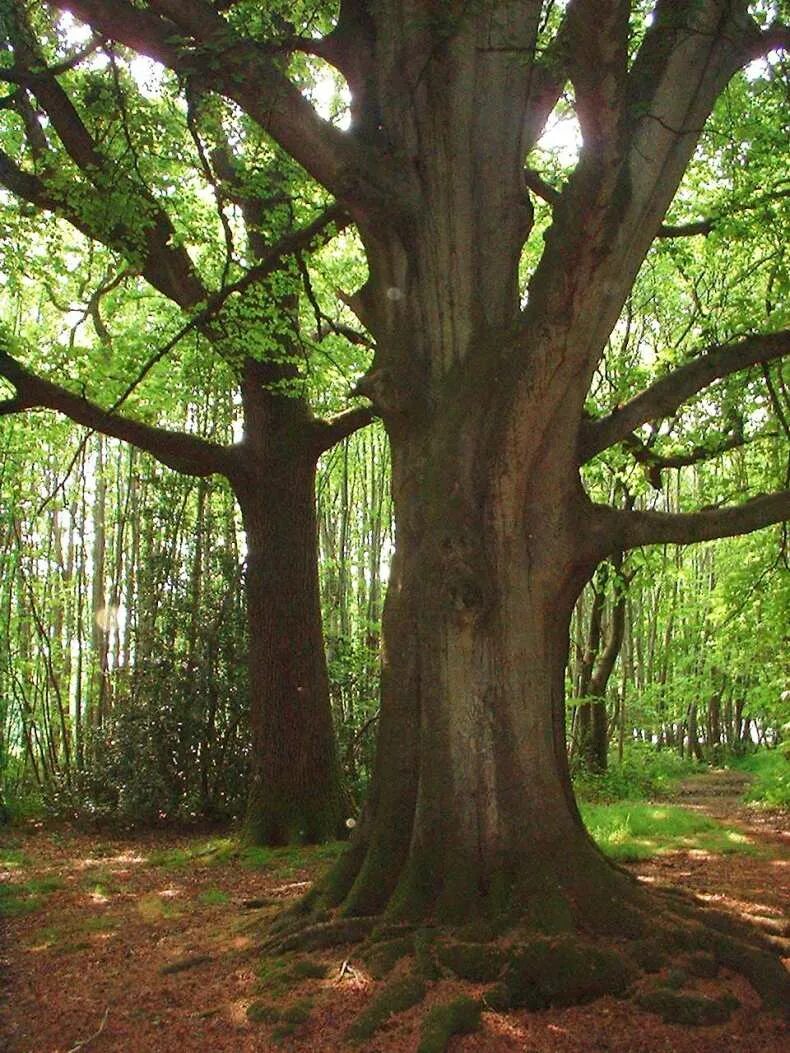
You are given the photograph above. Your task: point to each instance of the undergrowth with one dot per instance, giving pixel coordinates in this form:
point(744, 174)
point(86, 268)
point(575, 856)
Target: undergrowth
point(770, 771)
point(644, 772)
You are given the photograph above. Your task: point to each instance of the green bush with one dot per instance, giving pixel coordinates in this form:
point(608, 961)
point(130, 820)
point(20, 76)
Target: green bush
point(771, 776)
point(644, 772)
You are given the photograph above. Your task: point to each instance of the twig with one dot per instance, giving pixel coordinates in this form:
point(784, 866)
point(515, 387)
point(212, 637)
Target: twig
point(95, 1034)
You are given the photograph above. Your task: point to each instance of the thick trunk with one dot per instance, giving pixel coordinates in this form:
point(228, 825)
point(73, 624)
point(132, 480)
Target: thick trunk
point(472, 809)
point(296, 790)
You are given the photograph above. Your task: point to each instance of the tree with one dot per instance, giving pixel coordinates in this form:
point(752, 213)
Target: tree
point(107, 195)
point(482, 387)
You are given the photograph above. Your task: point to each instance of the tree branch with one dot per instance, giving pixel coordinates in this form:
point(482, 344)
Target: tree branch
point(618, 529)
point(664, 397)
point(165, 264)
point(334, 429)
point(535, 182)
point(184, 453)
point(774, 38)
point(211, 52)
point(655, 463)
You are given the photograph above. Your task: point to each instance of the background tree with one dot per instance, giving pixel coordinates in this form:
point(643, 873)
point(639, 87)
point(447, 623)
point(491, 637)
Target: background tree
point(89, 164)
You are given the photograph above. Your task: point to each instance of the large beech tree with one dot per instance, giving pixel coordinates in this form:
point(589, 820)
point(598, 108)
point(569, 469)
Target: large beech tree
point(296, 791)
point(482, 385)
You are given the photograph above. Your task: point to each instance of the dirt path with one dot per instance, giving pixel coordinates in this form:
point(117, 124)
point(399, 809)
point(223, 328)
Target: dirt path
point(128, 945)
point(756, 887)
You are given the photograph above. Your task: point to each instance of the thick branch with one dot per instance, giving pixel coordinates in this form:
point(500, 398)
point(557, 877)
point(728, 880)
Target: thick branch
point(655, 463)
point(333, 430)
point(618, 529)
point(774, 38)
point(547, 79)
point(210, 52)
point(664, 397)
point(535, 182)
point(184, 453)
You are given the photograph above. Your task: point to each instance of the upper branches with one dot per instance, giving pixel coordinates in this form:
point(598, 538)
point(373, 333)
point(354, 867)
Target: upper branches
point(143, 233)
point(194, 41)
point(663, 398)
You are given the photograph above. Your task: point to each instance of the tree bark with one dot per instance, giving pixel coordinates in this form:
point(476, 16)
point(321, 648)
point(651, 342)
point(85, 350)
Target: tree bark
point(296, 792)
point(471, 808)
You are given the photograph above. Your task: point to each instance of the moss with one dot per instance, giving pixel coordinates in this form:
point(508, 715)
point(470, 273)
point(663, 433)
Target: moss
point(702, 964)
point(397, 996)
point(472, 961)
point(764, 972)
point(382, 957)
point(459, 1017)
point(550, 913)
point(692, 1010)
point(287, 1017)
point(561, 972)
point(276, 975)
point(263, 1013)
point(479, 930)
point(424, 960)
point(676, 979)
point(385, 932)
point(648, 955)
point(214, 897)
point(325, 934)
point(308, 969)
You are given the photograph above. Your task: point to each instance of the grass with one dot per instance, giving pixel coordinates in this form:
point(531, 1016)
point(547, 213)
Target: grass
point(214, 897)
point(24, 897)
point(153, 908)
point(12, 857)
point(770, 771)
point(633, 830)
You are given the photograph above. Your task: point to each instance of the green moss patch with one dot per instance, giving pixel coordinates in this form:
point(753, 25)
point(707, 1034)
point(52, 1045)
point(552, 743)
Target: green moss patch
point(380, 958)
point(214, 897)
point(287, 1019)
point(459, 1017)
point(279, 973)
point(560, 972)
point(17, 899)
point(13, 858)
point(691, 1010)
point(701, 964)
point(397, 996)
point(477, 962)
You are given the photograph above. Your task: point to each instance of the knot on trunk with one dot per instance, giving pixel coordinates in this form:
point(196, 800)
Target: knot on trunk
point(460, 576)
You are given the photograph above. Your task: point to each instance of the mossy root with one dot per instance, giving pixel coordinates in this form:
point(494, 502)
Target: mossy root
point(459, 1017)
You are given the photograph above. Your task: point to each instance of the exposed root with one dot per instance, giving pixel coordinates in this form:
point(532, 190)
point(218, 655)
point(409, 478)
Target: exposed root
point(316, 937)
point(678, 940)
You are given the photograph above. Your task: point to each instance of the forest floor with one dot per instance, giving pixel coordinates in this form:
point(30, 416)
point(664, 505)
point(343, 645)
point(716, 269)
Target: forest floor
point(147, 943)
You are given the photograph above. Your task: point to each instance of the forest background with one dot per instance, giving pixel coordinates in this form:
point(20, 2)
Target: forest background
point(124, 691)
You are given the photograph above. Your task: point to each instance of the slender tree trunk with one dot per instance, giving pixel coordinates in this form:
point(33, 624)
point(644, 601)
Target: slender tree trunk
point(296, 792)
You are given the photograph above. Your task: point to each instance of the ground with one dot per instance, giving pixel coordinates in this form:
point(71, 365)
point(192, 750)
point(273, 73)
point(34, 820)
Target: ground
point(151, 942)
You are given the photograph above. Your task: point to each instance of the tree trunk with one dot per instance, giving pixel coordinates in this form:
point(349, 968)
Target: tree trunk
point(296, 792)
point(472, 806)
